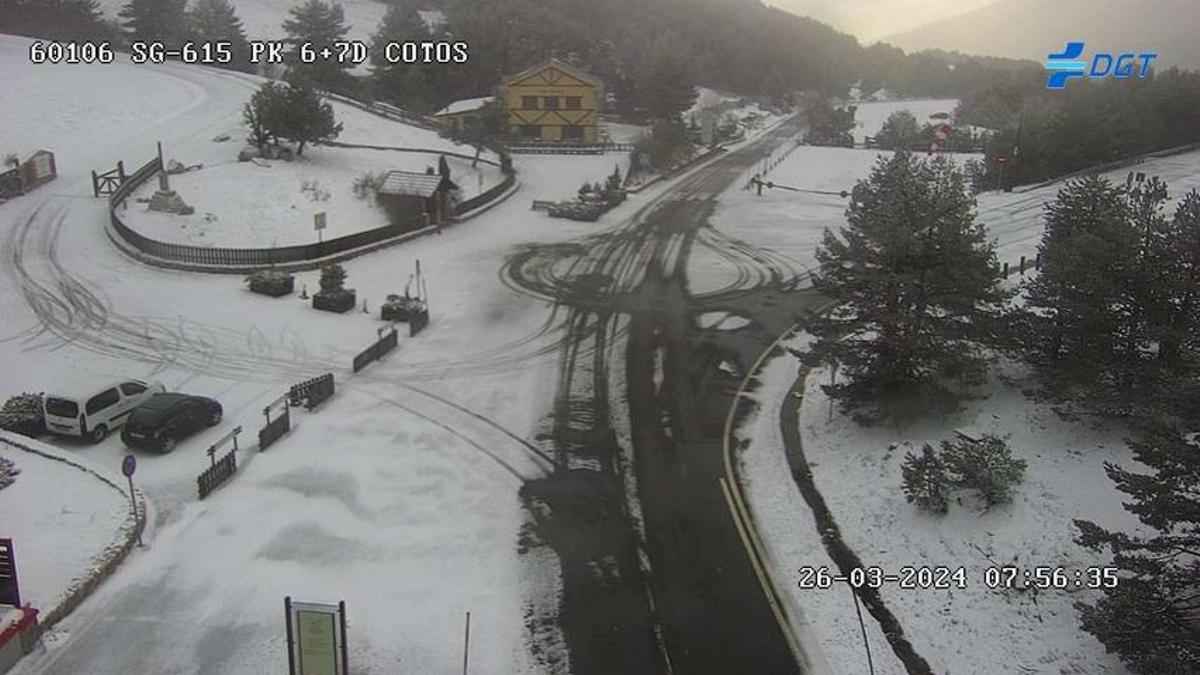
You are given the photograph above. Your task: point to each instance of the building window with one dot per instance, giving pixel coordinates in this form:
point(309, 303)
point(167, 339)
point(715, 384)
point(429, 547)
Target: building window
point(529, 102)
point(572, 132)
point(572, 103)
point(531, 132)
point(550, 102)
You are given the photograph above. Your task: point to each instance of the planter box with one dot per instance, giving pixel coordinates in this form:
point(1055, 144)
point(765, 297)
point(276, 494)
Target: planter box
point(399, 308)
point(340, 302)
point(274, 287)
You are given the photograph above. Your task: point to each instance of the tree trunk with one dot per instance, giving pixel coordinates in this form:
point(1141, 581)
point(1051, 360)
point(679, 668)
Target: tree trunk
point(300, 150)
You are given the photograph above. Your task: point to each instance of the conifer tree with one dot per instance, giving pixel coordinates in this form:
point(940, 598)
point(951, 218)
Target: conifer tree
point(155, 20)
point(414, 87)
point(215, 20)
point(1150, 614)
point(917, 291)
point(317, 25)
point(74, 20)
point(1110, 319)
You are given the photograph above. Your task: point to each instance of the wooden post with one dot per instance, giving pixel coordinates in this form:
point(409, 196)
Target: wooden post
point(467, 644)
point(345, 650)
point(287, 618)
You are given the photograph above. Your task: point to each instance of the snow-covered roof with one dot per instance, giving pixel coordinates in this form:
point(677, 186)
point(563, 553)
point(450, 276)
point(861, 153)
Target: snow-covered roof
point(464, 105)
point(410, 184)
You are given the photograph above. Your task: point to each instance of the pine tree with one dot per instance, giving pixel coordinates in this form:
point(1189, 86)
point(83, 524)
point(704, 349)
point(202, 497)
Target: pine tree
point(155, 20)
point(926, 483)
point(985, 465)
point(411, 86)
point(265, 114)
point(307, 118)
point(318, 25)
point(66, 20)
point(1110, 320)
point(916, 288)
point(899, 131)
point(666, 87)
point(215, 20)
point(1151, 616)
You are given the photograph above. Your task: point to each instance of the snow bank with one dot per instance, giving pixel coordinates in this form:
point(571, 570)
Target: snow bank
point(61, 517)
point(857, 470)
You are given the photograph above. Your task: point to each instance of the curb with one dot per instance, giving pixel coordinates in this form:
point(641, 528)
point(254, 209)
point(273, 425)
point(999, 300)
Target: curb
point(300, 266)
point(103, 564)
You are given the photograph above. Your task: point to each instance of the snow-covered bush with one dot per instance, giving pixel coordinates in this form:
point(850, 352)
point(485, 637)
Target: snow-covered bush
point(926, 482)
point(274, 283)
point(368, 183)
point(22, 414)
point(8, 472)
point(985, 465)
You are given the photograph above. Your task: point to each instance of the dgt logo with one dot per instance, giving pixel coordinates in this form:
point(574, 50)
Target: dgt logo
point(1067, 65)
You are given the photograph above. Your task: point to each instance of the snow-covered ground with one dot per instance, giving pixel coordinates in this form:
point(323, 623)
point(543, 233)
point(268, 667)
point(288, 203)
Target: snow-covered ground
point(870, 116)
point(857, 470)
point(49, 495)
point(394, 496)
point(265, 203)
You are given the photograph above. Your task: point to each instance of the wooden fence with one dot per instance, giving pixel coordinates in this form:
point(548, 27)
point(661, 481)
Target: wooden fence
point(312, 392)
point(386, 343)
point(265, 257)
point(274, 429)
point(216, 474)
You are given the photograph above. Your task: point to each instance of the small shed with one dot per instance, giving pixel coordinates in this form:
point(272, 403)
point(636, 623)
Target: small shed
point(407, 195)
point(17, 177)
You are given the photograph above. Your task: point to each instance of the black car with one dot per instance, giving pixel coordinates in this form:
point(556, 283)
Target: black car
point(165, 419)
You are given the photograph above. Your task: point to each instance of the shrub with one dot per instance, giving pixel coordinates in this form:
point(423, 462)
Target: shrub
point(23, 414)
point(926, 482)
point(271, 282)
point(985, 465)
point(367, 184)
point(8, 472)
point(334, 296)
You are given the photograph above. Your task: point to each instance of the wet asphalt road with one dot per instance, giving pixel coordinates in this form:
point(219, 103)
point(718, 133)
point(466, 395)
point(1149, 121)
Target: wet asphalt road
point(685, 597)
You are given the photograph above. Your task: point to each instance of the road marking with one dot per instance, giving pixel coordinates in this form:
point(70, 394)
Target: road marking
point(737, 505)
point(738, 511)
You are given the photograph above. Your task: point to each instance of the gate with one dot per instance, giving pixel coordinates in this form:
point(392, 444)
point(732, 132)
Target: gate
point(107, 183)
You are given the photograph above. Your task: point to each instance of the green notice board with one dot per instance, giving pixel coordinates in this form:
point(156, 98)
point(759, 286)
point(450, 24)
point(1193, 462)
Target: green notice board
point(315, 631)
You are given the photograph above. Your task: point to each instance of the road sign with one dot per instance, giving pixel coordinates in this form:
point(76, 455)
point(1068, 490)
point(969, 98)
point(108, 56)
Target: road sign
point(319, 221)
point(316, 636)
point(129, 465)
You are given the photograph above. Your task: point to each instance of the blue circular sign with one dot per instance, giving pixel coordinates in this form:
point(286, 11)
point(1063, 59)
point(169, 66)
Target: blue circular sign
point(129, 465)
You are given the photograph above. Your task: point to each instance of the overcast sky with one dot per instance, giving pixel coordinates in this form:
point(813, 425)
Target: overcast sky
point(869, 20)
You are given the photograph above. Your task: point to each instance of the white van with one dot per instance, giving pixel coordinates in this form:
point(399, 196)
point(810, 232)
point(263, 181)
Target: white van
point(102, 410)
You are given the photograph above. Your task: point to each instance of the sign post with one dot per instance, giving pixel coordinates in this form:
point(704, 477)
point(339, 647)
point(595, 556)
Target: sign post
point(128, 466)
point(316, 638)
point(319, 224)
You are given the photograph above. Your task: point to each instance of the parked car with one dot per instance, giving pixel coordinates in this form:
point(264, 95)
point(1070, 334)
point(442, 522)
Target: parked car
point(165, 419)
point(100, 411)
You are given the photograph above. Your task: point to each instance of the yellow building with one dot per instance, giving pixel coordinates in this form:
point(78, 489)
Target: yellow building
point(552, 102)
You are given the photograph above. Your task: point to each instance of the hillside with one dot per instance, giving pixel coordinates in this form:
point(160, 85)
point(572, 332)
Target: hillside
point(1032, 29)
point(263, 19)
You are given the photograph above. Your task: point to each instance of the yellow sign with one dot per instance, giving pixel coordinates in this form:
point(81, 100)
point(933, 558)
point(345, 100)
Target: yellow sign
point(319, 221)
point(318, 644)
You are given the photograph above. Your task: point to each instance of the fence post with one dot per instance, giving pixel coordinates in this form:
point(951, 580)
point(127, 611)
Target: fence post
point(121, 171)
point(1005, 270)
point(1022, 265)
